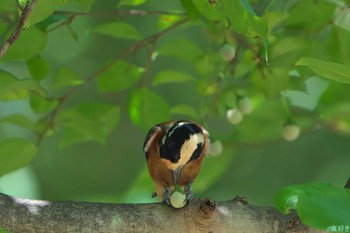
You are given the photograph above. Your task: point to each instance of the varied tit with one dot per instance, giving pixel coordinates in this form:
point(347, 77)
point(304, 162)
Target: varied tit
point(174, 152)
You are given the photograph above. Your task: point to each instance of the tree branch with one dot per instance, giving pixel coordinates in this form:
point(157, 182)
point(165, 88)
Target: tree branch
point(25, 14)
point(24, 215)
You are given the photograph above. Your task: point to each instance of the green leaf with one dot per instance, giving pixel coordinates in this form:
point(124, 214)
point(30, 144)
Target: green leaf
point(185, 110)
point(40, 103)
point(12, 89)
point(120, 76)
point(170, 76)
point(209, 10)
point(8, 6)
point(130, 2)
point(239, 13)
point(205, 64)
point(15, 153)
point(301, 17)
point(190, 8)
point(51, 20)
point(19, 120)
point(118, 30)
point(247, 6)
point(288, 45)
point(315, 87)
point(64, 77)
point(86, 4)
point(87, 122)
point(166, 21)
point(181, 48)
point(42, 10)
point(38, 68)
point(21, 50)
point(319, 205)
point(72, 33)
point(242, 20)
point(329, 70)
point(146, 108)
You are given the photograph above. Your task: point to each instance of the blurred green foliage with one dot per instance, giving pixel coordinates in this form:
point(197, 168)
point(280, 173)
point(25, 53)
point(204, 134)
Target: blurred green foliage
point(318, 204)
point(85, 81)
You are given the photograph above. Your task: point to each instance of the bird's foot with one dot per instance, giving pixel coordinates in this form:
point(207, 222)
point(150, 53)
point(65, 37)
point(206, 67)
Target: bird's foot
point(188, 192)
point(166, 196)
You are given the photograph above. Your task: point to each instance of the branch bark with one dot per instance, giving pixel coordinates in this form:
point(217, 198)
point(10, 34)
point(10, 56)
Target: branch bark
point(25, 14)
point(200, 215)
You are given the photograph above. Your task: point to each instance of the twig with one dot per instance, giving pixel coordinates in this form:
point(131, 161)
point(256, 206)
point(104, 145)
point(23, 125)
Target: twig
point(151, 39)
point(149, 62)
point(25, 14)
point(347, 185)
point(73, 15)
point(122, 12)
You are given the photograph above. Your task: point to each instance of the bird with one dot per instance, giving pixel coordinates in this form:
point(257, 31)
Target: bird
point(174, 152)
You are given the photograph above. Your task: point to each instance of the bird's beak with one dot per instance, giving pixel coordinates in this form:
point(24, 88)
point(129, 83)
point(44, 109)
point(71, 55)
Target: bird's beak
point(176, 175)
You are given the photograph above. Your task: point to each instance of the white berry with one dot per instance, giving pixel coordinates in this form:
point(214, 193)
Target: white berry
point(290, 132)
point(216, 148)
point(234, 116)
point(177, 199)
point(227, 52)
point(245, 105)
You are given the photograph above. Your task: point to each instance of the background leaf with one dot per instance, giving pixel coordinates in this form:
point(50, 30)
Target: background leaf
point(319, 205)
point(15, 153)
point(19, 120)
point(185, 110)
point(181, 48)
point(65, 76)
point(20, 50)
point(329, 70)
point(243, 21)
point(40, 103)
point(38, 68)
point(208, 10)
point(86, 4)
point(42, 10)
point(88, 122)
point(130, 2)
point(147, 108)
point(120, 76)
point(171, 76)
point(190, 8)
point(11, 88)
point(118, 30)
point(309, 99)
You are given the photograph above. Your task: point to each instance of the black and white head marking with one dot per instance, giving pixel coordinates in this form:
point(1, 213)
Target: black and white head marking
point(150, 138)
point(182, 143)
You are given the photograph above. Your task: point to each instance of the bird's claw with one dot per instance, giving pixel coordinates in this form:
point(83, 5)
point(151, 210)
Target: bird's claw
point(166, 196)
point(188, 192)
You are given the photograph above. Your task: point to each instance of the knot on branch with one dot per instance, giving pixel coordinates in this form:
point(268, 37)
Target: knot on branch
point(206, 208)
point(240, 199)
